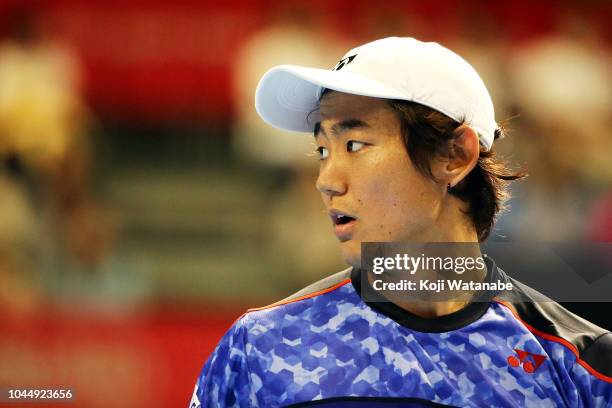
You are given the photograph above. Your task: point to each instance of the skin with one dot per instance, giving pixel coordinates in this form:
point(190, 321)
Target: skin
point(365, 172)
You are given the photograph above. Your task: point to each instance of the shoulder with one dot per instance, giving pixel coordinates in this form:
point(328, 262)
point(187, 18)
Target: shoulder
point(549, 321)
point(335, 289)
point(322, 287)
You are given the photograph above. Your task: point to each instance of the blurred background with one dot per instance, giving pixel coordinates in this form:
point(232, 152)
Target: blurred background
point(144, 205)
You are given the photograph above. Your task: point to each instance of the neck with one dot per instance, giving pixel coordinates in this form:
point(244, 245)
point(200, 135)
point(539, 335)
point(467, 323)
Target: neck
point(453, 226)
point(429, 304)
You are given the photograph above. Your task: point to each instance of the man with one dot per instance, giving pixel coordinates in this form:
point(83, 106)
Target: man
point(404, 131)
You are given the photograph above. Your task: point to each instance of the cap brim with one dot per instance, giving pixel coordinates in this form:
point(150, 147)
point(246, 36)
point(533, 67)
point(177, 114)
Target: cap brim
point(287, 96)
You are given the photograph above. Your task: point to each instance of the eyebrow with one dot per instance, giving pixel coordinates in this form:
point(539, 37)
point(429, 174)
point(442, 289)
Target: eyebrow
point(341, 127)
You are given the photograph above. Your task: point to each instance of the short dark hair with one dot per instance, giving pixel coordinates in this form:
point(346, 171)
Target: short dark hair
point(485, 188)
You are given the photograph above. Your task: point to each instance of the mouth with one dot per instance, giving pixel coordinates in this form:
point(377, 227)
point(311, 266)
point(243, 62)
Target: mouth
point(343, 224)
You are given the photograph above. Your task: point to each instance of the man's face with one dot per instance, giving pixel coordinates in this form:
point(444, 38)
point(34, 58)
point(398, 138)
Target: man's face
point(366, 174)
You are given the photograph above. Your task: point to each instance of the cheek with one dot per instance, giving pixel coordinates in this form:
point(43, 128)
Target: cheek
point(396, 199)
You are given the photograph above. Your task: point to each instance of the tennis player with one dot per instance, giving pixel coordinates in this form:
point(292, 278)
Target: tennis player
point(404, 131)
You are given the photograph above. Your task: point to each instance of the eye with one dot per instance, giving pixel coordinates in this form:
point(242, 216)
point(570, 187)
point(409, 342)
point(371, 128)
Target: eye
point(353, 146)
point(323, 152)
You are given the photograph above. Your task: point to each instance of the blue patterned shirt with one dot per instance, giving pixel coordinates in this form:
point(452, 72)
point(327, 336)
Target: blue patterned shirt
point(327, 347)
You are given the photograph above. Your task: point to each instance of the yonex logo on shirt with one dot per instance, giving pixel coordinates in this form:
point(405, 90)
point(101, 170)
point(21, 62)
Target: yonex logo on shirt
point(522, 360)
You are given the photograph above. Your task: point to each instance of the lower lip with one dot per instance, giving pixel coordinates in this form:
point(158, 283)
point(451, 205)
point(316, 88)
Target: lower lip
point(344, 231)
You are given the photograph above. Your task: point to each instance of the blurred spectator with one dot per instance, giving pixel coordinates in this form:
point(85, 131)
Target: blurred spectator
point(564, 85)
point(483, 45)
point(40, 106)
point(563, 91)
point(307, 246)
point(45, 152)
point(291, 40)
point(20, 252)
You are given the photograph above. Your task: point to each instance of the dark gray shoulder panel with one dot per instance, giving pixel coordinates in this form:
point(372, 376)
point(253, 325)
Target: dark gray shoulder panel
point(599, 355)
point(552, 318)
point(324, 283)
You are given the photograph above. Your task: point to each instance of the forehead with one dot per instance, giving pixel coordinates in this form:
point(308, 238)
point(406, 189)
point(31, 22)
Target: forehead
point(339, 106)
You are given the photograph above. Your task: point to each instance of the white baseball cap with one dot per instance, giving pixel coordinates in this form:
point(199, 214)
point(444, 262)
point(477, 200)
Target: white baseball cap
point(392, 68)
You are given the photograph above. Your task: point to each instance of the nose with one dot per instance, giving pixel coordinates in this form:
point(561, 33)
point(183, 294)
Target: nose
point(331, 181)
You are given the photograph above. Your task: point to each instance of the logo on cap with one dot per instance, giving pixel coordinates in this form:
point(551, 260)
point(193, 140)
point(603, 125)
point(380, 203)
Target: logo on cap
point(344, 61)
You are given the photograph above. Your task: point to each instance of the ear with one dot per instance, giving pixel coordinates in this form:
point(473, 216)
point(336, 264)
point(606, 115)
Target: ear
point(461, 158)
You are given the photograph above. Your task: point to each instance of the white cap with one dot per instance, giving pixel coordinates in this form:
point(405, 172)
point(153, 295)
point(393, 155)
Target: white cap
point(392, 68)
